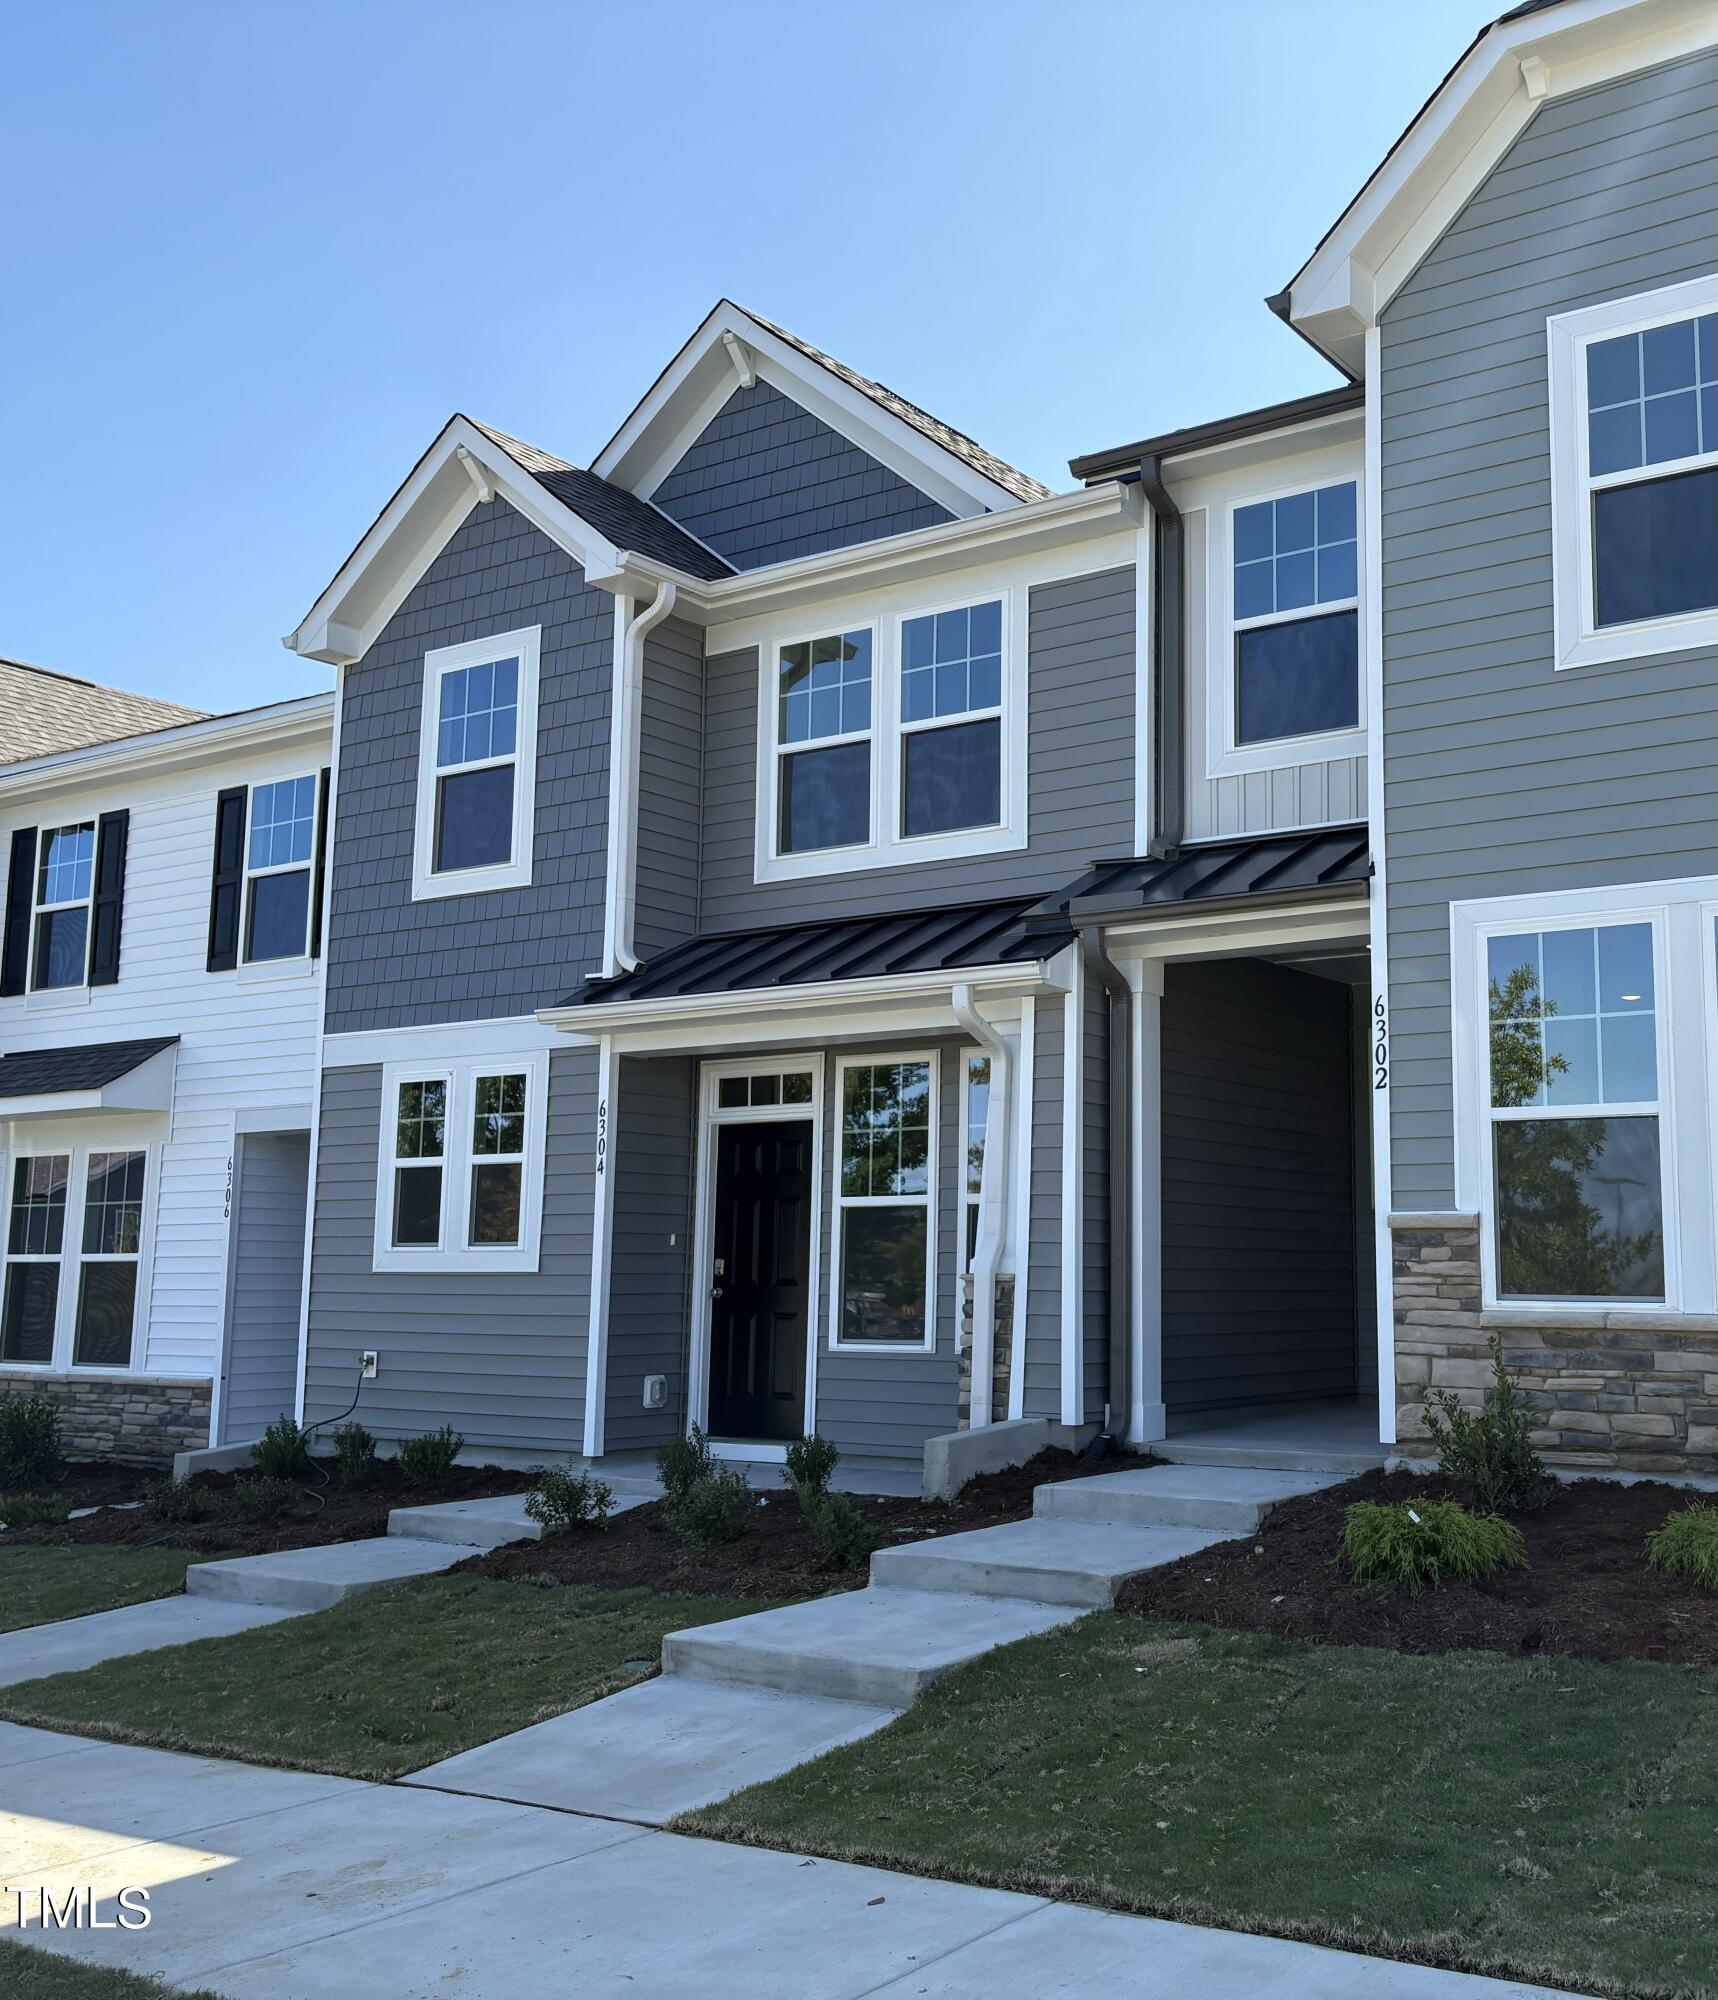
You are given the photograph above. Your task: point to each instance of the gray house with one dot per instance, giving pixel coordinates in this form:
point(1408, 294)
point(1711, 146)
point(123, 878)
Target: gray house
point(824, 932)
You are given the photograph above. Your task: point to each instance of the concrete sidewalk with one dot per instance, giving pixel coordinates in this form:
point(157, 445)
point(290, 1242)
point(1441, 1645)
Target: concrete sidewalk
point(267, 1883)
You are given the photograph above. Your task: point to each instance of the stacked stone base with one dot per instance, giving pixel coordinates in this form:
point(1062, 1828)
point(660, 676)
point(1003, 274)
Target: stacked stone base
point(1613, 1391)
point(132, 1421)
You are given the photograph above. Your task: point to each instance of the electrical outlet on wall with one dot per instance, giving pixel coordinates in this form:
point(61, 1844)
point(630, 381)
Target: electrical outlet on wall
point(367, 1364)
point(656, 1392)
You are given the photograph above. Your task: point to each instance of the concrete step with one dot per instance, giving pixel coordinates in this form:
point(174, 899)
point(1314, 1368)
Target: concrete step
point(1338, 1460)
point(876, 1646)
point(657, 1749)
point(1223, 1500)
point(312, 1579)
point(484, 1524)
point(1049, 1560)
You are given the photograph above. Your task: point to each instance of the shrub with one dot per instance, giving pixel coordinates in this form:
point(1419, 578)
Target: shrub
point(281, 1452)
point(31, 1450)
point(716, 1508)
point(682, 1462)
point(1394, 1546)
point(354, 1454)
point(263, 1497)
point(427, 1460)
point(1687, 1544)
point(559, 1500)
point(810, 1462)
point(846, 1538)
point(1488, 1453)
point(174, 1501)
point(33, 1510)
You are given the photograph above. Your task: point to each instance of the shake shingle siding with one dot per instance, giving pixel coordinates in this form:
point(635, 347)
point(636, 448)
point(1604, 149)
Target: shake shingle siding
point(1503, 776)
point(767, 481)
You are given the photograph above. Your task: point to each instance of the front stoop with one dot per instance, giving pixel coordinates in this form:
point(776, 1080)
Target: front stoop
point(1079, 1562)
point(1216, 1499)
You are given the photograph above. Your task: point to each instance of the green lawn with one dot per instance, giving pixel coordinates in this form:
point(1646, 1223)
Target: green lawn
point(385, 1683)
point(27, 1974)
point(39, 1583)
point(1550, 1819)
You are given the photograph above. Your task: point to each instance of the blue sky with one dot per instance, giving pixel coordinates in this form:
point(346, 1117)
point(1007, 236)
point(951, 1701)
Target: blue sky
point(257, 253)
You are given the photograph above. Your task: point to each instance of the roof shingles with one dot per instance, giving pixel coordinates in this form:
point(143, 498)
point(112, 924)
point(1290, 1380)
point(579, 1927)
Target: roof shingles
point(45, 712)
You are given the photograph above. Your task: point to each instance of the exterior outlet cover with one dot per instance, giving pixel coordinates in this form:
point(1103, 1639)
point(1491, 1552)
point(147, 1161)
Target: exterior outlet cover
point(656, 1392)
point(367, 1364)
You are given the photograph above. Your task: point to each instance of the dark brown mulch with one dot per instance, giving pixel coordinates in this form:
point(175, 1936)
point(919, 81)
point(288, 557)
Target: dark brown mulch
point(1587, 1591)
point(322, 1514)
point(96, 1482)
point(778, 1556)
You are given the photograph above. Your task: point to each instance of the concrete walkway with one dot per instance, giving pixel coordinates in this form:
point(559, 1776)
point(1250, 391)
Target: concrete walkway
point(75, 1643)
point(267, 1883)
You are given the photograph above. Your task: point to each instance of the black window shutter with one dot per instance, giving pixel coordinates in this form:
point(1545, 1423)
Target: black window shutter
point(20, 895)
point(226, 893)
point(318, 864)
point(112, 832)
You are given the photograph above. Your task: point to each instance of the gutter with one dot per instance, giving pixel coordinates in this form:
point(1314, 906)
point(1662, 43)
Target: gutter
point(1168, 662)
point(992, 1208)
point(620, 904)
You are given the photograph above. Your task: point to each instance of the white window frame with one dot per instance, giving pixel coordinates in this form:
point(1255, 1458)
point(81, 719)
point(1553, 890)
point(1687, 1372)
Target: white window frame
point(840, 1203)
point(525, 645)
point(1684, 1107)
point(454, 1252)
point(1579, 640)
point(44, 995)
point(828, 857)
point(279, 868)
point(72, 1257)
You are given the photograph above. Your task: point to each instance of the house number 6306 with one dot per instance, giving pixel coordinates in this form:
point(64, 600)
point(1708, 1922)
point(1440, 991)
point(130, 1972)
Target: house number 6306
point(1380, 1044)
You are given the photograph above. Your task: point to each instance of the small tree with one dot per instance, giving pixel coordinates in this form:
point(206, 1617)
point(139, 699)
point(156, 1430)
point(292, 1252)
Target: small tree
point(1489, 1452)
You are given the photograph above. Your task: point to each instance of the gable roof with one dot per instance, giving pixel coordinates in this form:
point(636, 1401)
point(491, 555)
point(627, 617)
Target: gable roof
point(46, 712)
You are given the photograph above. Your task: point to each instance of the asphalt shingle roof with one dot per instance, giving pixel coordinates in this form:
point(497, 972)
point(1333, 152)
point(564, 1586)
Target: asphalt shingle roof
point(43, 712)
point(48, 1072)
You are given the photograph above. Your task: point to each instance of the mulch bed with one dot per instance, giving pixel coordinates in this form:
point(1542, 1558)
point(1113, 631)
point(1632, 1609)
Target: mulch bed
point(778, 1556)
point(1587, 1592)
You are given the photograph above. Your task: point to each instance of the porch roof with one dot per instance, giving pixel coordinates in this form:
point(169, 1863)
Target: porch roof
point(89, 1076)
point(1331, 860)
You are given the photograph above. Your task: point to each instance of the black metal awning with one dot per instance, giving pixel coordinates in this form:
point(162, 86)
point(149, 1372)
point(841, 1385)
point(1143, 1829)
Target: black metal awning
point(73, 1072)
point(1334, 860)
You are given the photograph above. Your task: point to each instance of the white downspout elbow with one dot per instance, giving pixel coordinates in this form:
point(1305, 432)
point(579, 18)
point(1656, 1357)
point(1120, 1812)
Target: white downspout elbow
point(992, 1206)
point(618, 954)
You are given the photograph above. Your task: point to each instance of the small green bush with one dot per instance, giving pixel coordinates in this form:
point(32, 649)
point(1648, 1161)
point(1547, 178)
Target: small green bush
point(716, 1508)
point(354, 1454)
point(682, 1462)
point(263, 1497)
point(33, 1510)
point(428, 1460)
point(31, 1449)
point(281, 1451)
point(1391, 1545)
point(559, 1500)
point(1489, 1453)
point(1687, 1544)
point(811, 1460)
point(174, 1502)
point(846, 1538)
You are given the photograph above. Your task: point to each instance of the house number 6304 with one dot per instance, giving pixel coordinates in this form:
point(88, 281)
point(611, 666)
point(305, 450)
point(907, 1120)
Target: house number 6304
point(1380, 1044)
point(602, 1135)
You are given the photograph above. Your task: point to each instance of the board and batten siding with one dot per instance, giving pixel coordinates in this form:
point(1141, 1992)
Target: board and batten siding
point(1081, 671)
point(271, 1197)
point(397, 963)
point(500, 1355)
point(1503, 776)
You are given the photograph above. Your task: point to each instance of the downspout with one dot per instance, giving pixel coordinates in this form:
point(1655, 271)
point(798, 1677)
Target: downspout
point(618, 954)
point(1168, 662)
point(1100, 966)
point(992, 1207)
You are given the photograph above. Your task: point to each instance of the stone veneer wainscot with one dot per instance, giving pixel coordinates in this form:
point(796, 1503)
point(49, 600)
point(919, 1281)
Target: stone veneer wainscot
point(129, 1418)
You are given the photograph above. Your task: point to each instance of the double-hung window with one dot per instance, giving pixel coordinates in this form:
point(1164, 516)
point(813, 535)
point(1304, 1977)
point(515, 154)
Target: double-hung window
point(1634, 451)
point(951, 720)
point(460, 1170)
point(885, 1205)
point(1295, 616)
point(477, 766)
point(65, 886)
point(74, 1247)
point(824, 742)
point(280, 848)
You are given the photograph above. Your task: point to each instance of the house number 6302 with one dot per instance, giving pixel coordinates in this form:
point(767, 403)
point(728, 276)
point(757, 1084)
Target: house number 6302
point(1380, 1044)
point(602, 1135)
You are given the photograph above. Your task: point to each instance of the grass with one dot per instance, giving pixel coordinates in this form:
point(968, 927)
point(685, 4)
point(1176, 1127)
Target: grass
point(39, 1583)
point(387, 1682)
point(1548, 1819)
point(28, 1974)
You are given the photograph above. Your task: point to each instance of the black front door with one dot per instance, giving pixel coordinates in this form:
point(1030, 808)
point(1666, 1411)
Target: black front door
point(760, 1280)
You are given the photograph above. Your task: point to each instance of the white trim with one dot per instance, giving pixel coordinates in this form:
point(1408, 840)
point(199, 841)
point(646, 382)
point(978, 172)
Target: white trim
point(515, 871)
point(454, 1252)
point(620, 834)
point(454, 1041)
point(1580, 640)
point(147, 1087)
point(165, 749)
point(931, 1201)
point(247, 875)
point(602, 1248)
point(1024, 1087)
point(78, 988)
point(1377, 914)
point(1073, 1205)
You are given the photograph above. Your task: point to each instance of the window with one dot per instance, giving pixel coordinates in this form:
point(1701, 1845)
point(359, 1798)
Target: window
point(279, 852)
point(789, 1087)
point(885, 1191)
point(1634, 449)
point(951, 720)
point(824, 692)
point(460, 1173)
point(1579, 1204)
point(65, 884)
point(975, 1122)
point(477, 766)
point(1296, 617)
point(60, 1308)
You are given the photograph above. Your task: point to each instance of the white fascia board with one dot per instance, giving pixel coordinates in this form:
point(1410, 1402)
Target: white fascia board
point(414, 527)
point(440, 1041)
point(700, 379)
point(1445, 155)
point(1261, 926)
point(308, 718)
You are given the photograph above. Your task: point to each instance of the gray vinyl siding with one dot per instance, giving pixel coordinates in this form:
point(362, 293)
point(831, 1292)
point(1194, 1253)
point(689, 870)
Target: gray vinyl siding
point(1095, 1162)
point(767, 481)
point(1503, 776)
point(651, 1269)
point(499, 1355)
point(1258, 1191)
point(670, 787)
point(266, 1283)
point(396, 963)
point(1042, 1396)
point(1081, 667)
